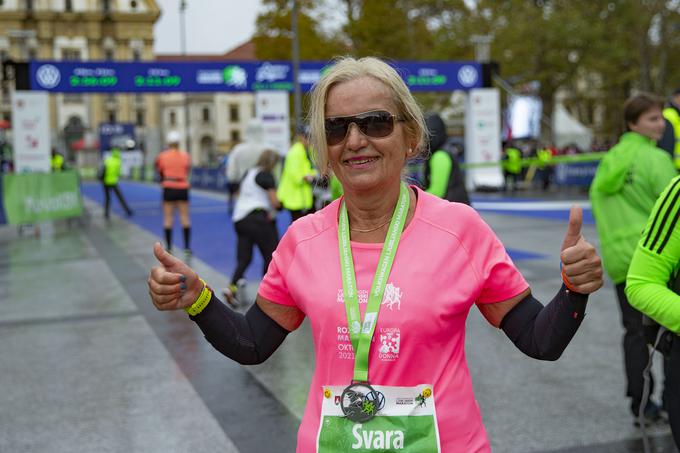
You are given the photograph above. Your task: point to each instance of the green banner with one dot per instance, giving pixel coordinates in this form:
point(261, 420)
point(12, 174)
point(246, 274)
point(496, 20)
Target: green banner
point(36, 197)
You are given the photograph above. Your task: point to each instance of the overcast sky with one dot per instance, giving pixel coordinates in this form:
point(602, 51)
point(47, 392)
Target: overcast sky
point(212, 26)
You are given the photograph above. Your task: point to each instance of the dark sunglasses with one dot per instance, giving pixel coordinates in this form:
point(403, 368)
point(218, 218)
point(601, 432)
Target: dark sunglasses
point(375, 124)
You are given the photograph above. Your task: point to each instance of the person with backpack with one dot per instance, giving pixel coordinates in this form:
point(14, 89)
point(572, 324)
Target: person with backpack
point(653, 287)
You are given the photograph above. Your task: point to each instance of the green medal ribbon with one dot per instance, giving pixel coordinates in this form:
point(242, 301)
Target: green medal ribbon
point(361, 332)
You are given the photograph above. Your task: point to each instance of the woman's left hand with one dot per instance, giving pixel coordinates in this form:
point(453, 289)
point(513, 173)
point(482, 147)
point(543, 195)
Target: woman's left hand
point(581, 265)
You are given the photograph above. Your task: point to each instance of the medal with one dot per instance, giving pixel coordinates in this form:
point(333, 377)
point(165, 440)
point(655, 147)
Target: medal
point(359, 401)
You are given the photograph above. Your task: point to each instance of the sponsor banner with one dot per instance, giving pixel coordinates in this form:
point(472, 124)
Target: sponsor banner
point(36, 197)
point(208, 178)
point(575, 174)
point(115, 134)
point(30, 119)
point(272, 109)
point(226, 76)
point(483, 138)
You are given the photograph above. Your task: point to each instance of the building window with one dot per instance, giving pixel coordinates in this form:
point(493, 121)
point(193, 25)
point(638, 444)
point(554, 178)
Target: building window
point(108, 54)
point(139, 98)
point(139, 117)
point(70, 54)
point(235, 136)
point(68, 6)
point(112, 116)
point(32, 53)
point(233, 113)
point(29, 5)
point(173, 118)
point(106, 5)
point(133, 4)
point(136, 54)
point(206, 115)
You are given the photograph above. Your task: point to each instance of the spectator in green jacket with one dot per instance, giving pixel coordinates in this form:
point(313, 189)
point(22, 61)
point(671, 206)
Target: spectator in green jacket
point(653, 287)
point(109, 177)
point(295, 187)
point(627, 183)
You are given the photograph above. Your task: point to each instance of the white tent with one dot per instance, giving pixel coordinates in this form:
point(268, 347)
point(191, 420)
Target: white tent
point(568, 130)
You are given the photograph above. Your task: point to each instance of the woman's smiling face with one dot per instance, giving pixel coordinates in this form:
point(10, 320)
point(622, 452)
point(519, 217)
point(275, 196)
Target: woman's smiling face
point(361, 162)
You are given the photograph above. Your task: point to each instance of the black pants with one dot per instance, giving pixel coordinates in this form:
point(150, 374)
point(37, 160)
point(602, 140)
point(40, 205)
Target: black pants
point(635, 350)
point(107, 199)
point(672, 389)
point(254, 229)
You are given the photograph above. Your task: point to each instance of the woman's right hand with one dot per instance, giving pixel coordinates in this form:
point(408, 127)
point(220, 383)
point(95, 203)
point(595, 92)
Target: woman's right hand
point(173, 284)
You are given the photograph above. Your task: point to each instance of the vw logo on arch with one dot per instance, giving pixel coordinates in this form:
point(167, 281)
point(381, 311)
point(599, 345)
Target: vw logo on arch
point(467, 76)
point(48, 76)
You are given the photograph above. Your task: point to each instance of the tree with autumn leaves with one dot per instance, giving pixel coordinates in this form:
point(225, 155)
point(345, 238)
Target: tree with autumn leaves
point(597, 51)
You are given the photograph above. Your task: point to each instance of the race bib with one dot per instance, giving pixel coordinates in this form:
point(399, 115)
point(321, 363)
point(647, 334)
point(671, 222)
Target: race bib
point(406, 421)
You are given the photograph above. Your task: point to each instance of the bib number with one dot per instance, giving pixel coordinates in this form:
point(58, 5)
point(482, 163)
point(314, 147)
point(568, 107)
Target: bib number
point(407, 421)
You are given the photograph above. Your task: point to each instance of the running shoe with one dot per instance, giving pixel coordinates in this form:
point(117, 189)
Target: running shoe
point(230, 295)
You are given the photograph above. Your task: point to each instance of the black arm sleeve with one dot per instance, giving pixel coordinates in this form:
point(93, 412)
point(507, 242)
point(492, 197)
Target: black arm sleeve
point(248, 339)
point(544, 332)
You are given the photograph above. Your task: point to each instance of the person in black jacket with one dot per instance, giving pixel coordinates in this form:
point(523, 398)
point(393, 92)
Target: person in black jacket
point(443, 177)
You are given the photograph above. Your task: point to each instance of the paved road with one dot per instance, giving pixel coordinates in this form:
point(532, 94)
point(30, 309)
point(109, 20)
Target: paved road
point(89, 365)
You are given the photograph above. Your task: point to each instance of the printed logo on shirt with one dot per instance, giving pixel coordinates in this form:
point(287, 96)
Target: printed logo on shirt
point(390, 341)
point(391, 297)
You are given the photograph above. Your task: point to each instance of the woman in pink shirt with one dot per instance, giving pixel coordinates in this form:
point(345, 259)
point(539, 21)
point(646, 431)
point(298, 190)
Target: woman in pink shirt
point(387, 276)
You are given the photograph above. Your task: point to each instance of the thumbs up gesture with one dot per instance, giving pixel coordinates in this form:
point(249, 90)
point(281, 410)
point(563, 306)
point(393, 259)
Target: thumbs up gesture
point(581, 265)
point(173, 284)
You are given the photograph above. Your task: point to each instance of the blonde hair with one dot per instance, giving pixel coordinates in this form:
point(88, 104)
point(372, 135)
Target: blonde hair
point(268, 160)
point(346, 69)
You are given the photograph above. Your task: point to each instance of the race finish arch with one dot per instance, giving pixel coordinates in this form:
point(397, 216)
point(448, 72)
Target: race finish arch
point(482, 131)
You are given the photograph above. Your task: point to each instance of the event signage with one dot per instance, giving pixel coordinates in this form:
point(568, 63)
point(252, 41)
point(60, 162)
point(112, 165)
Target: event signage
point(37, 197)
point(483, 138)
point(31, 122)
point(115, 134)
point(226, 76)
point(272, 109)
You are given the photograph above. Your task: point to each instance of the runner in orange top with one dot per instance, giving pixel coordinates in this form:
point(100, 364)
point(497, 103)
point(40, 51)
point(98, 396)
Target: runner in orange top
point(174, 167)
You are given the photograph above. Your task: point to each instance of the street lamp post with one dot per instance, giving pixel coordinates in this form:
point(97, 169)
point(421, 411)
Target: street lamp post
point(297, 97)
point(183, 46)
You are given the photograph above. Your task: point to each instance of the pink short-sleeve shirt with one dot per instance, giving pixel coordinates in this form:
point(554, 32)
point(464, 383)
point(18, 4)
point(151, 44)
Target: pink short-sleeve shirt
point(448, 260)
